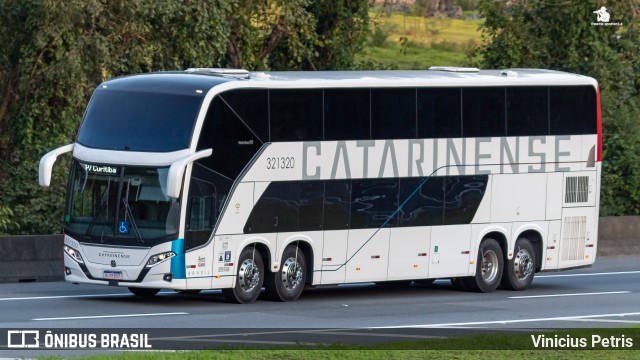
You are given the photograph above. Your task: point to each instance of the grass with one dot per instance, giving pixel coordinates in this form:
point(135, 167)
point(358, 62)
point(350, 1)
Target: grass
point(413, 42)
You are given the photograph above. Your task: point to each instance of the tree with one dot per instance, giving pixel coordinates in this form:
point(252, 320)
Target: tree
point(560, 35)
point(56, 52)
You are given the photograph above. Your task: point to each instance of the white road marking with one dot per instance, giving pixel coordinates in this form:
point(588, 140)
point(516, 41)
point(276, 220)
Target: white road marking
point(63, 297)
point(589, 274)
point(110, 316)
point(574, 294)
point(75, 296)
point(515, 321)
point(608, 321)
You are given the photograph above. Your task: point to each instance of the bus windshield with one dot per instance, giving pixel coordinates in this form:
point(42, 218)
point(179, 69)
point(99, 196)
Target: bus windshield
point(120, 204)
point(139, 121)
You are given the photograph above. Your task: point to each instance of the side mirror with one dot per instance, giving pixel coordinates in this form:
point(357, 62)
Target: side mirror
point(47, 161)
point(176, 171)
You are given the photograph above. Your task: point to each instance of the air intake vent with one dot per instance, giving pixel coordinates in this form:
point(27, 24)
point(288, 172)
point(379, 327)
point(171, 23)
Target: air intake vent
point(577, 190)
point(574, 237)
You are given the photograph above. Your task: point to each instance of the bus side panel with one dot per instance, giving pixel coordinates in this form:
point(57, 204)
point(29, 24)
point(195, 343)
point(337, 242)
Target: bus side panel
point(521, 197)
point(408, 253)
point(368, 254)
point(552, 246)
point(450, 251)
point(334, 257)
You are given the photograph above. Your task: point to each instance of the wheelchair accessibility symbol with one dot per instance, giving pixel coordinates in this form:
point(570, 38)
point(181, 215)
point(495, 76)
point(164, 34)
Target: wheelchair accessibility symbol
point(123, 227)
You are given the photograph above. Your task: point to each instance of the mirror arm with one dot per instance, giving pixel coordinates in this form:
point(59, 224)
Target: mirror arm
point(46, 164)
point(176, 171)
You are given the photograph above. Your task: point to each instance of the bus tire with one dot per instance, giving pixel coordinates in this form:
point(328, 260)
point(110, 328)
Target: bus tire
point(489, 265)
point(249, 278)
point(520, 270)
point(287, 283)
point(144, 292)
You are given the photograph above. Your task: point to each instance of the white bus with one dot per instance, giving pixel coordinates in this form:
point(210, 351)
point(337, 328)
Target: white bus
point(225, 179)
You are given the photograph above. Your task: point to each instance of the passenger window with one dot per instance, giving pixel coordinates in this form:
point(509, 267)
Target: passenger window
point(527, 111)
point(277, 210)
point(337, 204)
point(346, 114)
point(439, 113)
point(426, 206)
point(393, 113)
point(252, 108)
point(462, 197)
point(311, 202)
point(373, 202)
point(295, 115)
point(573, 110)
point(483, 112)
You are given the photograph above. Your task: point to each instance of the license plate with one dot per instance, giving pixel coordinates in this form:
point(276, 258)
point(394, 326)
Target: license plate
point(112, 275)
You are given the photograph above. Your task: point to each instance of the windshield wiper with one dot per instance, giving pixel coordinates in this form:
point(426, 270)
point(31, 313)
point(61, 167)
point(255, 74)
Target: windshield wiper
point(127, 209)
point(103, 202)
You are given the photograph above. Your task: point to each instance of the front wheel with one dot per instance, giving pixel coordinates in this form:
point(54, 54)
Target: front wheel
point(519, 272)
point(144, 292)
point(287, 283)
point(249, 278)
point(488, 268)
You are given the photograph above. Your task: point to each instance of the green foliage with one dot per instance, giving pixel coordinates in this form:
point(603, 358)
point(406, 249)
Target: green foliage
point(559, 35)
point(56, 52)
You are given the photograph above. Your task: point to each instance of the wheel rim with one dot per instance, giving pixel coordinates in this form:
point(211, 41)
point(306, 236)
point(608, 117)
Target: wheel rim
point(248, 275)
point(489, 266)
point(291, 273)
point(523, 264)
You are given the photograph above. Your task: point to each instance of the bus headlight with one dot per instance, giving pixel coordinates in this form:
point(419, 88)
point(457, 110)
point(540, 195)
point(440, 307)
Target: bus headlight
point(158, 258)
point(75, 254)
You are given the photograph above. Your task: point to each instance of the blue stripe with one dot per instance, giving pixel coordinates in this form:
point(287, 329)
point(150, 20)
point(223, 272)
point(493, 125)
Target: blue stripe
point(178, 262)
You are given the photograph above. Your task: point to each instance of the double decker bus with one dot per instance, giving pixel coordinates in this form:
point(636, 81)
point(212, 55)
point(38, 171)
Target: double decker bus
point(225, 179)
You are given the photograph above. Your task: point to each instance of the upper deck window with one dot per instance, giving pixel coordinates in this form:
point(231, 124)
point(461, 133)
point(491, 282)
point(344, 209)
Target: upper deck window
point(139, 121)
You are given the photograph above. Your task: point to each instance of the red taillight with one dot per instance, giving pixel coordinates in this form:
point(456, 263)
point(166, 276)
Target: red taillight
point(599, 112)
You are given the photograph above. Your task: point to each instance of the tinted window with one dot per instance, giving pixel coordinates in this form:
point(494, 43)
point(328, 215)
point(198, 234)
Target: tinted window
point(346, 114)
point(277, 210)
point(462, 196)
point(139, 121)
point(311, 202)
point(295, 115)
point(233, 143)
point(373, 202)
point(527, 111)
point(426, 206)
point(439, 113)
point(573, 110)
point(393, 113)
point(337, 204)
point(483, 112)
point(251, 107)
point(201, 208)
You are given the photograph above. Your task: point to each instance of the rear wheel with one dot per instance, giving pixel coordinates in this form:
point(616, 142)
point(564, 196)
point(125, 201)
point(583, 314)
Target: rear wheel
point(249, 278)
point(488, 268)
point(144, 292)
point(287, 283)
point(519, 271)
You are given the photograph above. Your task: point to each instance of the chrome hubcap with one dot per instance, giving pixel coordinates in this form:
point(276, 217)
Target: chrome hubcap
point(523, 264)
point(248, 275)
point(489, 266)
point(291, 273)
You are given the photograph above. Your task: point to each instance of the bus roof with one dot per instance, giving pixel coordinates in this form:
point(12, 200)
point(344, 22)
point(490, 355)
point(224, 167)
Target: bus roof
point(205, 79)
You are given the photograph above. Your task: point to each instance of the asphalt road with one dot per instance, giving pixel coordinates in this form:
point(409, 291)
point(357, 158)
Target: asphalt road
point(605, 295)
